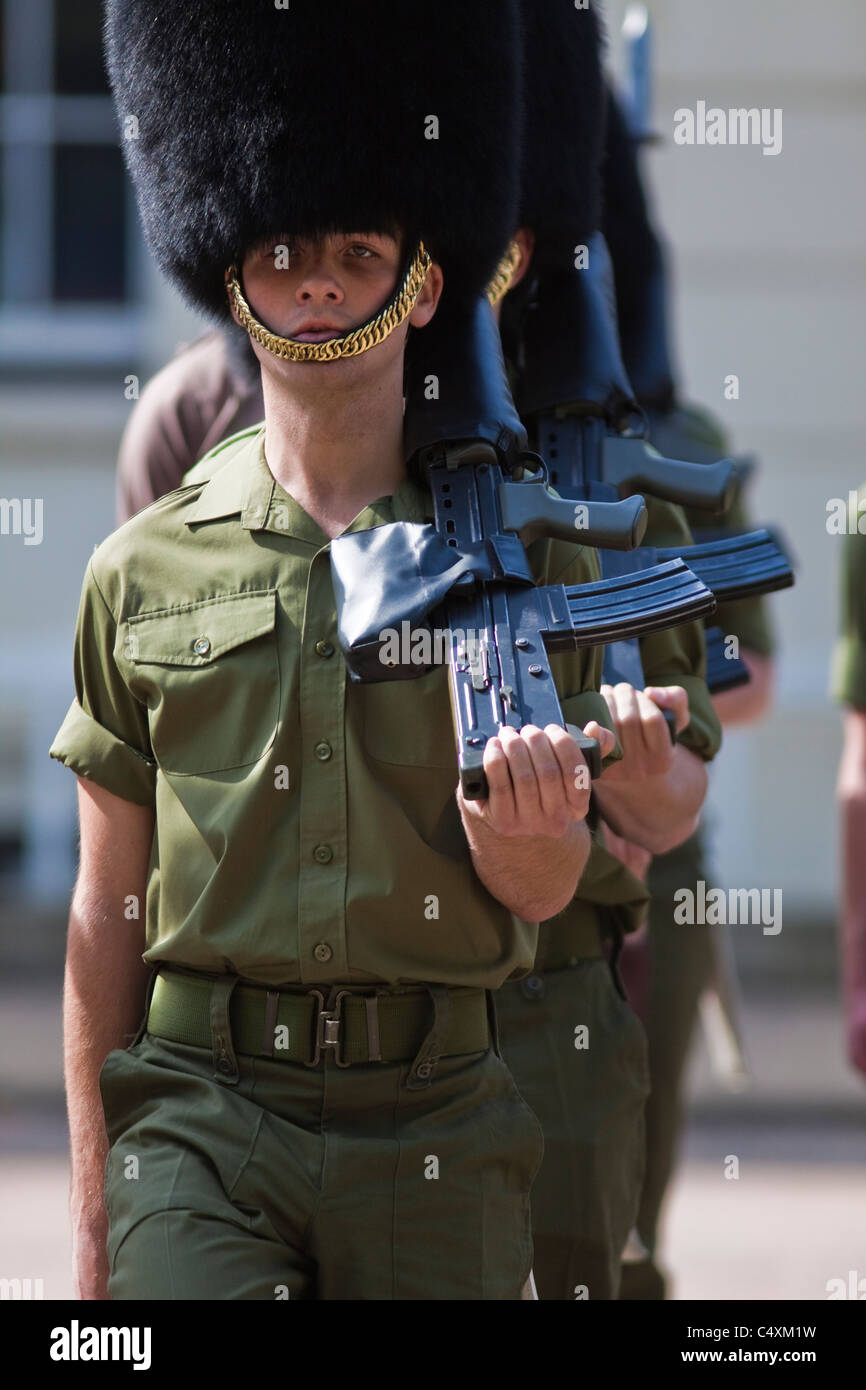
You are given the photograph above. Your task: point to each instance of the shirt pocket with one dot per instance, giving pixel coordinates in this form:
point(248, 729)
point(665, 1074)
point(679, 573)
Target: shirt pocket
point(209, 675)
point(408, 723)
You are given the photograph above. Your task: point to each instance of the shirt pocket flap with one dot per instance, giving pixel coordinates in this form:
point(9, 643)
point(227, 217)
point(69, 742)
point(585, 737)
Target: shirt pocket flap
point(197, 633)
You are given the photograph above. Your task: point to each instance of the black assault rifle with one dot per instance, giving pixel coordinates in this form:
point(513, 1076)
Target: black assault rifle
point(469, 571)
point(576, 394)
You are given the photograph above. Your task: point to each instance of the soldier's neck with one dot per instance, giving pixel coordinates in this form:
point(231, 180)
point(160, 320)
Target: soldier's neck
point(335, 451)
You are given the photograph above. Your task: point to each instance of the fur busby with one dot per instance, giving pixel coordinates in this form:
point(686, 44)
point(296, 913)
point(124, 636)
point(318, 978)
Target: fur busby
point(638, 259)
point(564, 125)
point(320, 116)
point(633, 245)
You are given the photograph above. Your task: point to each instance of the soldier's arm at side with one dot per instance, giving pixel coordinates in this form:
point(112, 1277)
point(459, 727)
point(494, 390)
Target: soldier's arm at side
point(103, 1001)
point(851, 793)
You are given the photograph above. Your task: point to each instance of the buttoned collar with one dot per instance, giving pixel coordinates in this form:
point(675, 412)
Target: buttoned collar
point(244, 486)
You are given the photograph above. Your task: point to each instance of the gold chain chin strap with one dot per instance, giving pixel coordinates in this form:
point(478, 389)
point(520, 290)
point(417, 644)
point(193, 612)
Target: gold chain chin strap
point(504, 273)
point(351, 344)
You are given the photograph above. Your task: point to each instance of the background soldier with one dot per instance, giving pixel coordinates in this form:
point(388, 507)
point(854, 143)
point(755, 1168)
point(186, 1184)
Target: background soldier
point(669, 969)
point(576, 1048)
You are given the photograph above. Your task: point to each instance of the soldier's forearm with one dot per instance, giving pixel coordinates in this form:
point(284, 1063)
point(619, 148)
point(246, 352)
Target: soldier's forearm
point(659, 812)
point(534, 877)
point(103, 1001)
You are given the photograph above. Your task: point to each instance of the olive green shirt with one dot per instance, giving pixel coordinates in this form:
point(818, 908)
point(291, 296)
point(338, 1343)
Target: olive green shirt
point(849, 656)
point(306, 826)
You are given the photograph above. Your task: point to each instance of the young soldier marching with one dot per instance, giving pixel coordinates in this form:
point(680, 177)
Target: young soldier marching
point(586, 1202)
point(315, 1104)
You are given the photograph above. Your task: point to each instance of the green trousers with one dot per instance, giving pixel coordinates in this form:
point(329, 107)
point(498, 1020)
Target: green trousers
point(681, 968)
point(315, 1183)
point(578, 1054)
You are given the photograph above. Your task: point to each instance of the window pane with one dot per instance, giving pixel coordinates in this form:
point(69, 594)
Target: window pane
point(89, 223)
point(78, 64)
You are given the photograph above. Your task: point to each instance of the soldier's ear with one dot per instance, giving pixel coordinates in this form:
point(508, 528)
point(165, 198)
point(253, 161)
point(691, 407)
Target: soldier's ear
point(428, 299)
point(525, 238)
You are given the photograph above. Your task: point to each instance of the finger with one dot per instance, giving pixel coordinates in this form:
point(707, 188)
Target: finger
point(627, 719)
point(654, 731)
point(523, 779)
point(607, 693)
point(573, 770)
point(501, 810)
point(552, 795)
point(672, 697)
point(606, 738)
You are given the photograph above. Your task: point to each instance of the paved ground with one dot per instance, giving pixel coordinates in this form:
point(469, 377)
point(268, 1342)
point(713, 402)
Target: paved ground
point(793, 1219)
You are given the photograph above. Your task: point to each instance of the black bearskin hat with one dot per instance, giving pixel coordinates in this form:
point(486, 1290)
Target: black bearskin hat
point(633, 245)
point(639, 263)
point(322, 115)
point(564, 127)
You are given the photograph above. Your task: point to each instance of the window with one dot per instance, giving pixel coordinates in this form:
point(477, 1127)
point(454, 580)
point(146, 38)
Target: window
point(69, 243)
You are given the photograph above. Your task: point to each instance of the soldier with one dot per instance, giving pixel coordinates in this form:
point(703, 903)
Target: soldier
point(576, 1048)
point(315, 1104)
point(587, 1200)
point(849, 687)
point(676, 964)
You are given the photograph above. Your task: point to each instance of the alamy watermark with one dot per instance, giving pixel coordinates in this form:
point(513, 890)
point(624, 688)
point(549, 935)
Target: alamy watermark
point(720, 906)
point(847, 516)
point(424, 646)
point(22, 516)
point(736, 126)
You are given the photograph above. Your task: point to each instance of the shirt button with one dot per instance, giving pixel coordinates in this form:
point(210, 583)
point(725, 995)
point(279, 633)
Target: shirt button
point(323, 854)
point(532, 987)
point(322, 952)
point(323, 751)
point(201, 646)
point(324, 649)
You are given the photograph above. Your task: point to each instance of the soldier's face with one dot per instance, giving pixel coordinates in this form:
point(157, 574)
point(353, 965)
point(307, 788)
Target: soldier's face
point(315, 290)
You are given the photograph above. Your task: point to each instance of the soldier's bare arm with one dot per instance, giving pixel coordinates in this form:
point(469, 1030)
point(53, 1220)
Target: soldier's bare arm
point(654, 795)
point(103, 1000)
point(529, 838)
point(851, 792)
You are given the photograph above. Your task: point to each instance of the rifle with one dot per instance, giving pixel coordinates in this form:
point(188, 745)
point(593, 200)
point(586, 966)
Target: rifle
point(469, 571)
point(575, 390)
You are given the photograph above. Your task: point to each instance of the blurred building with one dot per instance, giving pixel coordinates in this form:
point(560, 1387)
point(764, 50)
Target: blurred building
point(769, 260)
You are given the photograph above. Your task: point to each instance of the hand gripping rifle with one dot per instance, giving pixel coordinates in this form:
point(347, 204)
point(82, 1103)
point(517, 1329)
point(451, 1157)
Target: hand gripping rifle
point(469, 573)
point(576, 394)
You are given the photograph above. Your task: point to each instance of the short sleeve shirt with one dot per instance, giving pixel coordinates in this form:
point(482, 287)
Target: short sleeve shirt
point(849, 656)
point(306, 826)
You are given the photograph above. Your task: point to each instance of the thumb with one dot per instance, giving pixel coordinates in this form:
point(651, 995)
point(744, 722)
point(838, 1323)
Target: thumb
point(605, 737)
point(671, 697)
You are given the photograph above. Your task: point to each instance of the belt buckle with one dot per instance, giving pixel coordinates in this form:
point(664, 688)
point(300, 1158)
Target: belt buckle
point(327, 1028)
